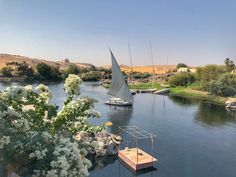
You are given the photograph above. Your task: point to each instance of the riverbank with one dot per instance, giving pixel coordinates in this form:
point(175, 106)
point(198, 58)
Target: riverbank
point(144, 86)
point(183, 92)
point(11, 79)
point(196, 95)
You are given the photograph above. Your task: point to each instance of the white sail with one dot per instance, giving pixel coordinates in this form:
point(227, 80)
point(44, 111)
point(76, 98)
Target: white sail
point(119, 87)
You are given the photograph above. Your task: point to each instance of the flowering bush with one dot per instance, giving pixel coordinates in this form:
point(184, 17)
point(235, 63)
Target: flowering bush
point(38, 138)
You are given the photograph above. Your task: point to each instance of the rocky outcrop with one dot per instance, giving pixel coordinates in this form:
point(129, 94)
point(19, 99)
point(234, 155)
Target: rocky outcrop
point(32, 62)
point(106, 143)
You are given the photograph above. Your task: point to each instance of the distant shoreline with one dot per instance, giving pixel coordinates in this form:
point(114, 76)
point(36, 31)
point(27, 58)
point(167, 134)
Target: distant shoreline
point(12, 79)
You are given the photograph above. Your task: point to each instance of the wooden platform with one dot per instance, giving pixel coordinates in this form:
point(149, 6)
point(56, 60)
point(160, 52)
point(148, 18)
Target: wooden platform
point(136, 160)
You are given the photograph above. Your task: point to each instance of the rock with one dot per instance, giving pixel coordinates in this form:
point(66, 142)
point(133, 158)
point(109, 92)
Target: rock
point(107, 143)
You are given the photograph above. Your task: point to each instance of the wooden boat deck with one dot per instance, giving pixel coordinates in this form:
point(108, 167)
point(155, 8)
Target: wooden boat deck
point(136, 158)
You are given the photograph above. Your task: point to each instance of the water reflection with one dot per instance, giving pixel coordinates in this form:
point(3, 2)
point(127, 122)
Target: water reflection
point(101, 162)
point(119, 116)
point(125, 170)
point(214, 115)
point(182, 101)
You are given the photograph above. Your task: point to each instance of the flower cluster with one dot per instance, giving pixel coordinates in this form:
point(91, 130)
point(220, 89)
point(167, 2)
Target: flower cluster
point(38, 154)
point(21, 124)
point(11, 113)
point(44, 92)
point(72, 85)
point(35, 131)
point(15, 92)
point(69, 160)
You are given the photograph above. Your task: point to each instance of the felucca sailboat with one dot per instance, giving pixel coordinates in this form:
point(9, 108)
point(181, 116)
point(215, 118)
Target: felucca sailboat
point(119, 88)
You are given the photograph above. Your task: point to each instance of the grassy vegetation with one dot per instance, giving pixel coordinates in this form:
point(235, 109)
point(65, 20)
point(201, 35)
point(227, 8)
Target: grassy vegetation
point(143, 86)
point(197, 95)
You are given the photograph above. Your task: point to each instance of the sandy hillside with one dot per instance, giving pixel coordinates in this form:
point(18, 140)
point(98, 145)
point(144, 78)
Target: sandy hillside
point(159, 69)
point(6, 58)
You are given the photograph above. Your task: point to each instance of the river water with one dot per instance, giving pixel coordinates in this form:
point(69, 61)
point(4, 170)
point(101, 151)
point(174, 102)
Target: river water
point(194, 139)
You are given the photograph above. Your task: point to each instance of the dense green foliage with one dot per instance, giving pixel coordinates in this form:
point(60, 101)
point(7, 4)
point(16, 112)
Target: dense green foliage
point(181, 65)
point(230, 66)
point(48, 73)
point(139, 75)
point(91, 76)
point(224, 86)
point(24, 70)
point(6, 71)
point(72, 69)
point(182, 79)
point(205, 75)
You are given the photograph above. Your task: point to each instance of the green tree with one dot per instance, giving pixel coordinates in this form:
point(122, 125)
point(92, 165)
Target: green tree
point(49, 73)
point(55, 74)
point(13, 66)
point(182, 79)
point(181, 65)
point(43, 70)
point(6, 71)
point(224, 86)
point(91, 76)
point(72, 69)
point(207, 74)
point(229, 64)
point(23, 69)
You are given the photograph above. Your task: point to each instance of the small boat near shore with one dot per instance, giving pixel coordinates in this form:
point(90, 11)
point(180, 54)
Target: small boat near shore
point(133, 92)
point(231, 104)
point(119, 87)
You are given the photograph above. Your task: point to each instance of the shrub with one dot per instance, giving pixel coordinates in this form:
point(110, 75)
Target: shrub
point(91, 76)
point(48, 73)
point(181, 65)
point(224, 86)
point(207, 74)
point(6, 71)
point(182, 79)
point(23, 69)
point(139, 75)
point(229, 64)
point(39, 139)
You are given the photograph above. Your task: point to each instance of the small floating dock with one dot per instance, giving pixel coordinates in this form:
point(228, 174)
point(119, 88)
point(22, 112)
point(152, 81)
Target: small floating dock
point(147, 91)
point(162, 91)
point(136, 158)
point(132, 154)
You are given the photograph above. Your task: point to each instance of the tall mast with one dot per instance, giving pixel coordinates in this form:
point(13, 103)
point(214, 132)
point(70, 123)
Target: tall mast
point(153, 70)
point(131, 64)
point(167, 62)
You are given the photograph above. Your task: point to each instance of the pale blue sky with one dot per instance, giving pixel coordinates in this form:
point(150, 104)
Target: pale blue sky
point(195, 32)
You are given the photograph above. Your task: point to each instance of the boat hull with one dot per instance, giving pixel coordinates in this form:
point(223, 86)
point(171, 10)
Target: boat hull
point(118, 102)
point(231, 105)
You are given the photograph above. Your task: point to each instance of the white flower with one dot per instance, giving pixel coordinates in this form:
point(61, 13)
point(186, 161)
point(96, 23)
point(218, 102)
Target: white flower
point(15, 92)
point(38, 154)
point(46, 136)
point(44, 92)
point(21, 124)
point(29, 87)
point(52, 173)
point(11, 113)
point(72, 84)
point(36, 173)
